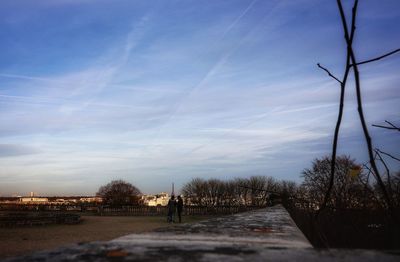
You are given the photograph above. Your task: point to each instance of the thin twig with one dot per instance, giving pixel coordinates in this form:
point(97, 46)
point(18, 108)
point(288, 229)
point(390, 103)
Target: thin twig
point(367, 187)
point(387, 154)
point(377, 58)
point(329, 73)
point(260, 189)
point(368, 168)
point(392, 125)
point(387, 127)
point(386, 168)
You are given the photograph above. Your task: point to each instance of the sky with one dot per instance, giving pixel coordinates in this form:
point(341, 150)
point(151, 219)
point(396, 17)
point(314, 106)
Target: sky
point(160, 92)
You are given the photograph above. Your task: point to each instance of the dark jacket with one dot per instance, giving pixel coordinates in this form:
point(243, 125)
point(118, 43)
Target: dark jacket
point(171, 206)
point(179, 204)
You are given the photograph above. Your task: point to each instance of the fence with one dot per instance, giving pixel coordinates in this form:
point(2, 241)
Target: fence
point(162, 210)
point(128, 210)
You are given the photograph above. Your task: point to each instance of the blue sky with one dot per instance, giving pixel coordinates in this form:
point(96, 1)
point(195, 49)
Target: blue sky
point(155, 92)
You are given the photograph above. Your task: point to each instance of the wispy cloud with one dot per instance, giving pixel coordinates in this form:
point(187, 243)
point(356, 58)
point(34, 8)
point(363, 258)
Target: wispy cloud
point(215, 67)
point(12, 150)
point(24, 77)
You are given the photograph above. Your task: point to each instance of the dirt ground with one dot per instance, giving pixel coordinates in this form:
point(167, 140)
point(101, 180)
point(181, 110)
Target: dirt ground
point(26, 240)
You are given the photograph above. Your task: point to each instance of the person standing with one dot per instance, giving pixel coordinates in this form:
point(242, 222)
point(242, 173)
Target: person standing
point(179, 207)
point(171, 209)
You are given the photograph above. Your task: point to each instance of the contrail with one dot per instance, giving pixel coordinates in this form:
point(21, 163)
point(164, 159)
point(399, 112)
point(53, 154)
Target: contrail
point(27, 77)
point(256, 120)
point(213, 69)
point(229, 28)
point(57, 101)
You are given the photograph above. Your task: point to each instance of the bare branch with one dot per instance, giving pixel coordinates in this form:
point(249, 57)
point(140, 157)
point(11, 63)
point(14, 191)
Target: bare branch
point(260, 189)
point(387, 154)
point(353, 21)
point(386, 167)
point(387, 127)
point(329, 73)
point(368, 168)
point(341, 106)
point(378, 58)
point(392, 126)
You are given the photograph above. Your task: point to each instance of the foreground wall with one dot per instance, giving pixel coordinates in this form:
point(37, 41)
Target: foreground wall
point(263, 235)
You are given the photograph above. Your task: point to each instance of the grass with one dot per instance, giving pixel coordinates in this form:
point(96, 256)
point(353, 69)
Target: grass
point(26, 240)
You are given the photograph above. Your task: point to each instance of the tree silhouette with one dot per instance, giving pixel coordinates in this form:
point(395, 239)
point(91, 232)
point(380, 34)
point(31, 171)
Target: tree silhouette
point(352, 65)
point(118, 193)
point(348, 191)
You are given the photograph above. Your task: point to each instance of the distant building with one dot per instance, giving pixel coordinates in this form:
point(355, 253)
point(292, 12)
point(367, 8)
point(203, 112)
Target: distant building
point(34, 200)
point(59, 201)
point(9, 200)
point(156, 200)
point(96, 199)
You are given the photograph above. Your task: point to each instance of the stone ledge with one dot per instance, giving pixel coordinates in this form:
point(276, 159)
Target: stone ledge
point(271, 227)
point(112, 251)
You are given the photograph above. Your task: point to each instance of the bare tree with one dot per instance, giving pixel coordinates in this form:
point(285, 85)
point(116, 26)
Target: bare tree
point(243, 191)
point(352, 63)
point(230, 194)
point(395, 189)
point(195, 191)
point(118, 193)
point(347, 191)
point(288, 192)
point(214, 192)
point(254, 191)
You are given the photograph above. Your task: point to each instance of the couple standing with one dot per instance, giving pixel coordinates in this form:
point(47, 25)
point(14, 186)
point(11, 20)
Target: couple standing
point(175, 205)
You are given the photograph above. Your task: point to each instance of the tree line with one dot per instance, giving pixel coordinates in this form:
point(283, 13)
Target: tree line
point(255, 191)
point(353, 188)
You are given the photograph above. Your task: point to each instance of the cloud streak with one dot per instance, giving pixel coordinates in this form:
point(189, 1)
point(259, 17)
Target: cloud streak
point(12, 150)
point(161, 93)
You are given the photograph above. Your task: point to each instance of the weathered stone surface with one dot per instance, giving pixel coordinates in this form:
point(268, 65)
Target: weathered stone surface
point(270, 227)
point(263, 235)
point(108, 251)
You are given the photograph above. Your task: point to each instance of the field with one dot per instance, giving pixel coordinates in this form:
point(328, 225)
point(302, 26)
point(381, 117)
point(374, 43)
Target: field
point(25, 240)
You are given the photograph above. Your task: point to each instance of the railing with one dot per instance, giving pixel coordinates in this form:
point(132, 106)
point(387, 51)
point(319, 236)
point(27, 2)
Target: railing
point(162, 210)
point(128, 210)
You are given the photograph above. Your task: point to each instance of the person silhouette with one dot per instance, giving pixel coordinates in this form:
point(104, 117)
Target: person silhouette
point(179, 207)
point(171, 209)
